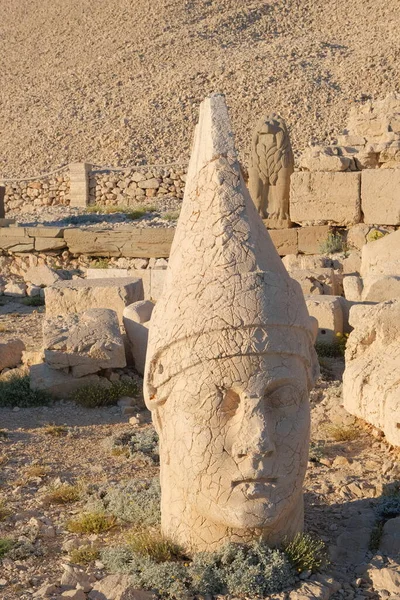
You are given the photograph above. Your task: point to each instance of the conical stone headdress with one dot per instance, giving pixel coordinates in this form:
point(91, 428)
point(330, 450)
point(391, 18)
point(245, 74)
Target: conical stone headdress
point(227, 292)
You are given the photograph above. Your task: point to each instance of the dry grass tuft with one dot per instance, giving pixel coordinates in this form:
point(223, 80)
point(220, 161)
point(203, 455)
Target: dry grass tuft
point(64, 494)
point(91, 522)
point(341, 433)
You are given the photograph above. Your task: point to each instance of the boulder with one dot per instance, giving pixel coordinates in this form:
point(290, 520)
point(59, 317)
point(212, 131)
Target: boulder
point(390, 540)
point(76, 296)
point(328, 312)
point(11, 353)
point(136, 320)
point(118, 587)
point(84, 343)
point(15, 289)
point(381, 257)
point(60, 384)
point(371, 385)
point(42, 275)
point(386, 578)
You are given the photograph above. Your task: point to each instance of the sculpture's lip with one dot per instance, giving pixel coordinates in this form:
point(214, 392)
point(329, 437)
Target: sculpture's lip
point(255, 480)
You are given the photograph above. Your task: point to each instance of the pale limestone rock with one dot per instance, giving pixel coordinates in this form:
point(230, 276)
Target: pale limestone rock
point(380, 196)
point(106, 273)
point(357, 235)
point(58, 383)
point(352, 263)
point(316, 282)
point(295, 262)
point(118, 587)
point(371, 386)
point(319, 158)
point(390, 540)
point(380, 288)
point(84, 343)
point(11, 353)
point(332, 198)
point(15, 289)
point(272, 164)
point(136, 318)
point(353, 286)
point(74, 576)
point(78, 295)
point(386, 578)
point(310, 239)
point(42, 275)
point(328, 312)
point(230, 362)
point(381, 257)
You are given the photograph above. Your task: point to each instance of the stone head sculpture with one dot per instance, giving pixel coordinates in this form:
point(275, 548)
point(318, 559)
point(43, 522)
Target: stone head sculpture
point(230, 362)
point(272, 164)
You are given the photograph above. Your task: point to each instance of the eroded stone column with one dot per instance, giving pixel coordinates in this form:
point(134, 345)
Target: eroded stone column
point(230, 362)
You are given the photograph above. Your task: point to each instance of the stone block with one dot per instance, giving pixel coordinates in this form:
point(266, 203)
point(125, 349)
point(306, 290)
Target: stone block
point(76, 296)
point(352, 286)
point(145, 275)
point(6, 222)
point(107, 273)
point(357, 235)
point(15, 289)
point(380, 288)
point(317, 281)
point(284, 240)
point(84, 343)
point(79, 184)
point(332, 198)
point(295, 262)
point(371, 384)
point(381, 257)
point(328, 312)
point(49, 244)
point(136, 320)
point(352, 263)
point(14, 239)
point(134, 243)
point(42, 275)
point(45, 232)
point(380, 196)
point(58, 383)
point(310, 239)
point(11, 353)
point(157, 279)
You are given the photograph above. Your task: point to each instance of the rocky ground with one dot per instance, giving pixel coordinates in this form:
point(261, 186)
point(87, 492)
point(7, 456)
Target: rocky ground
point(120, 83)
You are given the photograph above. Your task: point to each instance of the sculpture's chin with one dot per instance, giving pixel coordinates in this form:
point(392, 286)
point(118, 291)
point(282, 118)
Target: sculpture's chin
point(253, 514)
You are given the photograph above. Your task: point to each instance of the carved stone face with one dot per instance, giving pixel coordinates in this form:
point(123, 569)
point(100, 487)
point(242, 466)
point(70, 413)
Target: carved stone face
point(234, 439)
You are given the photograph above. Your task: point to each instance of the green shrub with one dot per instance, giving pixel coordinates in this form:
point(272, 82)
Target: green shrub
point(6, 545)
point(100, 263)
point(334, 349)
point(306, 553)
point(35, 301)
point(91, 522)
point(341, 433)
point(84, 555)
point(171, 216)
point(316, 451)
point(142, 445)
point(16, 391)
point(94, 395)
point(253, 570)
point(136, 501)
point(334, 243)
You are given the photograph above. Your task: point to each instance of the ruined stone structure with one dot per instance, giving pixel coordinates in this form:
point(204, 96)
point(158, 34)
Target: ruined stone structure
point(272, 164)
point(230, 362)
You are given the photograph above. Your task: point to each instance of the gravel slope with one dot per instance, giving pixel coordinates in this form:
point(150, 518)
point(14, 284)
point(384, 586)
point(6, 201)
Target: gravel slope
point(120, 82)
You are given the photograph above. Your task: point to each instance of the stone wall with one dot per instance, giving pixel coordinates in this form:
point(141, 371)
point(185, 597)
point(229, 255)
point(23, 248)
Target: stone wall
point(48, 190)
point(136, 185)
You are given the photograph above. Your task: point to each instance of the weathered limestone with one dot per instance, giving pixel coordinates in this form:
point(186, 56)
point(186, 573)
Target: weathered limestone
point(78, 295)
point(371, 384)
point(11, 353)
point(137, 243)
point(58, 383)
point(152, 279)
point(230, 362)
point(136, 319)
point(42, 275)
point(380, 288)
point(79, 184)
point(2, 208)
point(353, 286)
point(317, 281)
point(381, 257)
point(272, 164)
point(284, 240)
point(319, 198)
point(84, 343)
point(380, 196)
point(390, 540)
point(310, 239)
point(320, 158)
point(328, 312)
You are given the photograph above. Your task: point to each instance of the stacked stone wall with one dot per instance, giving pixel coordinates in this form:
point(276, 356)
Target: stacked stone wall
point(130, 187)
point(49, 190)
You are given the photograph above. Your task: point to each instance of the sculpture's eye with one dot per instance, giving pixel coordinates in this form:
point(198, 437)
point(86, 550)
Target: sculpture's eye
point(285, 396)
point(229, 403)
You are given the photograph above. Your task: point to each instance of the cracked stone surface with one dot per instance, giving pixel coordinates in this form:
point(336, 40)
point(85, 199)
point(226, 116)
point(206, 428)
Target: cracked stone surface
point(230, 362)
point(84, 343)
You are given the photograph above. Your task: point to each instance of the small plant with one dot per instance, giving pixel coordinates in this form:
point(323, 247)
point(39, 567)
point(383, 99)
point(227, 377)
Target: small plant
point(316, 452)
point(84, 555)
point(171, 216)
point(136, 501)
point(334, 349)
point(93, 396)
point(334, 243)
point(36, 471)
point(130, 213)
point(375, 234)
point(100, 263)
point(341, 433)
point(141, 445)
point(16, 391)
point(92, 522)
point(56, 430)
point(4, 510)
point(64, 494)
point(120, 451)
point(306, 553)
point(6, 545)
point(150, 543)
point(35, 301)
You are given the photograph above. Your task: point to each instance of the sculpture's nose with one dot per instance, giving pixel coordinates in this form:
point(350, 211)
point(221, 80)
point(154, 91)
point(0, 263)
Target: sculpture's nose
point(254, 437)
